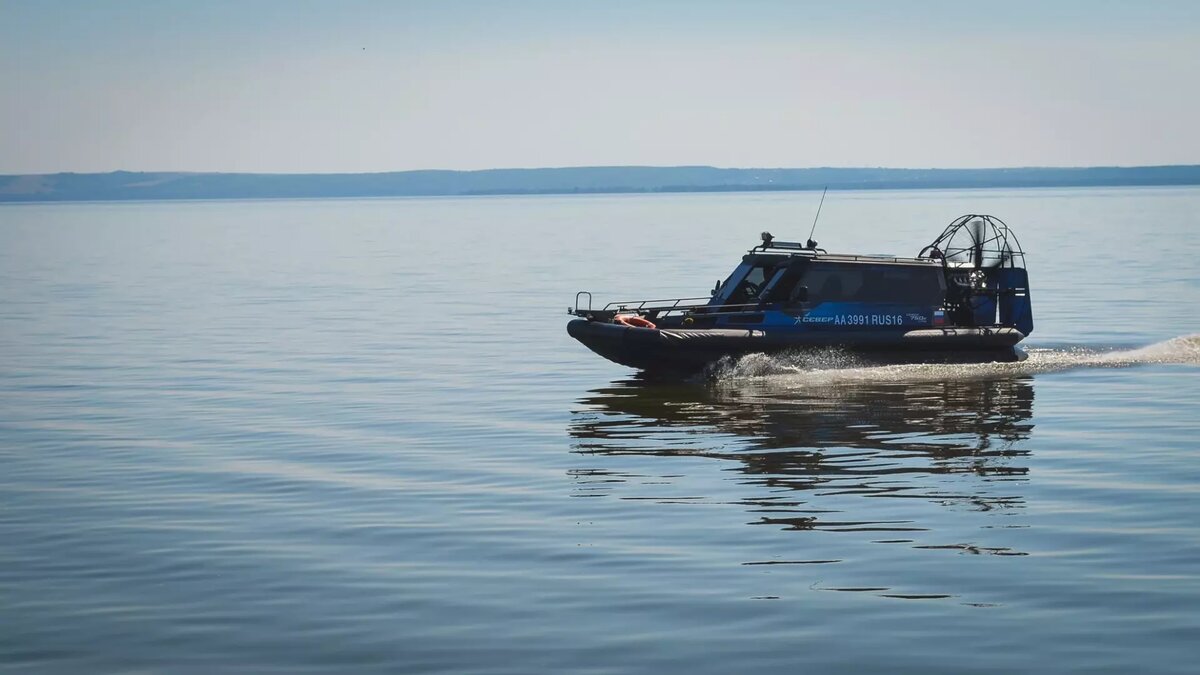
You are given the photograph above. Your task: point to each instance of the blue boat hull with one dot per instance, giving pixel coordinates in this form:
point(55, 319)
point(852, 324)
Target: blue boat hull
point(690, 350)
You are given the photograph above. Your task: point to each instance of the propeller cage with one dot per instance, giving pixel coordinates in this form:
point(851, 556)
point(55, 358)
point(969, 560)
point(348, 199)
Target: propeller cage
point(978, 241)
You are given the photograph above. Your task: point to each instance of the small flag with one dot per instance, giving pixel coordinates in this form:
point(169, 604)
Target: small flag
point(939, 318)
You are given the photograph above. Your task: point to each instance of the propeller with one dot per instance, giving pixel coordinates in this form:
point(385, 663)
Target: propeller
point(977, 237)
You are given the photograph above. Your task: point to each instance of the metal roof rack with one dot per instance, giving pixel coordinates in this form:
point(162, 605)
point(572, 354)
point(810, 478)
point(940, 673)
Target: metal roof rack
point(810, 249)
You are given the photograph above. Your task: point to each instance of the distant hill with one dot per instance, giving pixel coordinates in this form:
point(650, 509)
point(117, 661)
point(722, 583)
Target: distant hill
point(124, 185)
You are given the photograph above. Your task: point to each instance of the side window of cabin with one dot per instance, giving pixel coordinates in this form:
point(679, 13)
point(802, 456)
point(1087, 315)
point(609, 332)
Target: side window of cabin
point(831, 282)
point(921, 285)
point(842, 282)
point(789, 288)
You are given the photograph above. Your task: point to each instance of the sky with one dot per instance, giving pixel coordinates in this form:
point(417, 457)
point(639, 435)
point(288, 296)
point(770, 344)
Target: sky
point(303, 86)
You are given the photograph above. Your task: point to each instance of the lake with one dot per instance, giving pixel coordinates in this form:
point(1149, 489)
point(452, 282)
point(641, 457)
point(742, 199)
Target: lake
point(353, 435)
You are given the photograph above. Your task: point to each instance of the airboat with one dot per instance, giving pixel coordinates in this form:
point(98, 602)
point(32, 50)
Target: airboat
point(963, 299)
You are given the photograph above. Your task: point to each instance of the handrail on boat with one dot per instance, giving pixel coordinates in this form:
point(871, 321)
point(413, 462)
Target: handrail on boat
point(641, 305)
point(663, 307)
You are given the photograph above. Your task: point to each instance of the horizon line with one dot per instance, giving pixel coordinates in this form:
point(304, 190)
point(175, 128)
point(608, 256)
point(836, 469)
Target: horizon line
point(610, 166)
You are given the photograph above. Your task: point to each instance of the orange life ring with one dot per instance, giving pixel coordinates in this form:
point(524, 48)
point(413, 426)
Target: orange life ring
point(633, 320)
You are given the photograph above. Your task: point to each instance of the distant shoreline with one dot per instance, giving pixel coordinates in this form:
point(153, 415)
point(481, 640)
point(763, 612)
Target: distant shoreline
point(143, 186)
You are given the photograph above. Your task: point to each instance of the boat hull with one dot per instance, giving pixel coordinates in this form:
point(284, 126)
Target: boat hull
point(691, 350)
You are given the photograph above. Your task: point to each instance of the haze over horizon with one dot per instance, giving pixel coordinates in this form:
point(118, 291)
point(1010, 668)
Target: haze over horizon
point(365, 86)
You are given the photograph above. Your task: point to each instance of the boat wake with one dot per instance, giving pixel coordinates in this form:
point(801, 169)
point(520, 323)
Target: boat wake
point(836, 367)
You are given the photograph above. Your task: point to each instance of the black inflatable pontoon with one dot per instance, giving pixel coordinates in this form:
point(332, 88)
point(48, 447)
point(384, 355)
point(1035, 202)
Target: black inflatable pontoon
point(964, 298)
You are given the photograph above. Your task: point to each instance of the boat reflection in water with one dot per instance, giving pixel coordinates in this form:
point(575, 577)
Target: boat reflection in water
point(807, 450)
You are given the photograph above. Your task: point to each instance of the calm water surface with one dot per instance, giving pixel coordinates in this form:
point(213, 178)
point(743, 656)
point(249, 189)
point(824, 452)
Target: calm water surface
point(353, 435)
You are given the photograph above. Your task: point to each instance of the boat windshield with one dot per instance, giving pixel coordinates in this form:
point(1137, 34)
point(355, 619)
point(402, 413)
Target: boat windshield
point(751, 285)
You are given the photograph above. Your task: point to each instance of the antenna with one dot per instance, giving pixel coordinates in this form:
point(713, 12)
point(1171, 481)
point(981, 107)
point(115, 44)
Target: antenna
point(811, 243)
